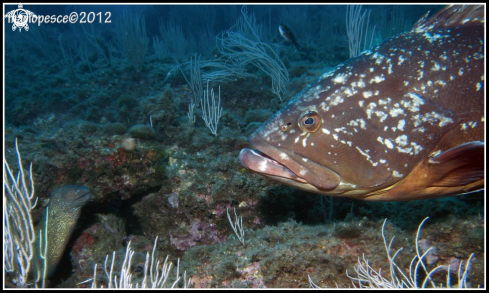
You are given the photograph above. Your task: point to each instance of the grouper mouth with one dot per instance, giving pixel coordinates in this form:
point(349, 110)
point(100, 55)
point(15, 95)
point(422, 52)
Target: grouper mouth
point(287, 166)
point(263, 164)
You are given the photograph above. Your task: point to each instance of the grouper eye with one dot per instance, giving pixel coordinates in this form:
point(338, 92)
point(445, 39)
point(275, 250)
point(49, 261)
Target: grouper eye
point(309, 121)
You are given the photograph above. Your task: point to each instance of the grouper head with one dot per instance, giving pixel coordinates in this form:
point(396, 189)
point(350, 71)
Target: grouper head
point(294, 148)
point(401, 121)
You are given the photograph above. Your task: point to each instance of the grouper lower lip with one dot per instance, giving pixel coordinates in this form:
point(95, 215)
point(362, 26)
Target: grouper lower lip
point(287, 164)
point(265, 165)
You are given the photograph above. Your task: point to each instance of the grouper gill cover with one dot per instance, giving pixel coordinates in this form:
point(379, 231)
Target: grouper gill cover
point(404, 120)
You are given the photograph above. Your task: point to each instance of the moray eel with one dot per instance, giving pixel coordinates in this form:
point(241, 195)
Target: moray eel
point(402, 121)
point(64, 209)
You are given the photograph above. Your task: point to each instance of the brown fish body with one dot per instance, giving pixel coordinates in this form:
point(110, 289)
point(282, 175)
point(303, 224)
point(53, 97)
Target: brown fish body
point(402, 121)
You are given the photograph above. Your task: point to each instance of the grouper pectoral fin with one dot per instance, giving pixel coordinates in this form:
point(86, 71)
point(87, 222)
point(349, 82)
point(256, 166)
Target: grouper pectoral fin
point(460, 165)
point(458, 170)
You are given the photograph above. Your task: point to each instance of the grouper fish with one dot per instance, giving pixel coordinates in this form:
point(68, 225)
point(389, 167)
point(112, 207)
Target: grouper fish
point(402, 121)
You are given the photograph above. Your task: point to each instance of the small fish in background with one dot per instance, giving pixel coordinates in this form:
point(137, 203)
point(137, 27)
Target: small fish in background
point(287, 34)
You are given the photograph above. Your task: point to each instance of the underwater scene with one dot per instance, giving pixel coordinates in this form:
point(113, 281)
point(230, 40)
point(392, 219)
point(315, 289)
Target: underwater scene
point(244, 146)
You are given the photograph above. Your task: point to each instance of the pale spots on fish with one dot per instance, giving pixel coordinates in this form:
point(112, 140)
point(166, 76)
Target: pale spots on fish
point(263, 166)
point(406, 150)
point(421, 74)
point(347, 184)
point(393, 104)
point(325, 130)
point(433, 118)
point(324, 106)
point(417, 148)
point(402, 140)
point(401, 60)
point(440, 82)
point(378, 79)
point(401, 124)
point(396, 174)
point(340, 78)
point(436, 66)
point(360, 83)
point(348, 91)
point(389, 68)
point(283, 136)
point(434, 37)
point(378, 58)
point(304, 140)
point(379, 113)
point(327, 74)
point(414, 104)
point(362, 123)
point(419, 129)
point(396, 111)
point(367, 94)
point(367, 156)
point(380, 139)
